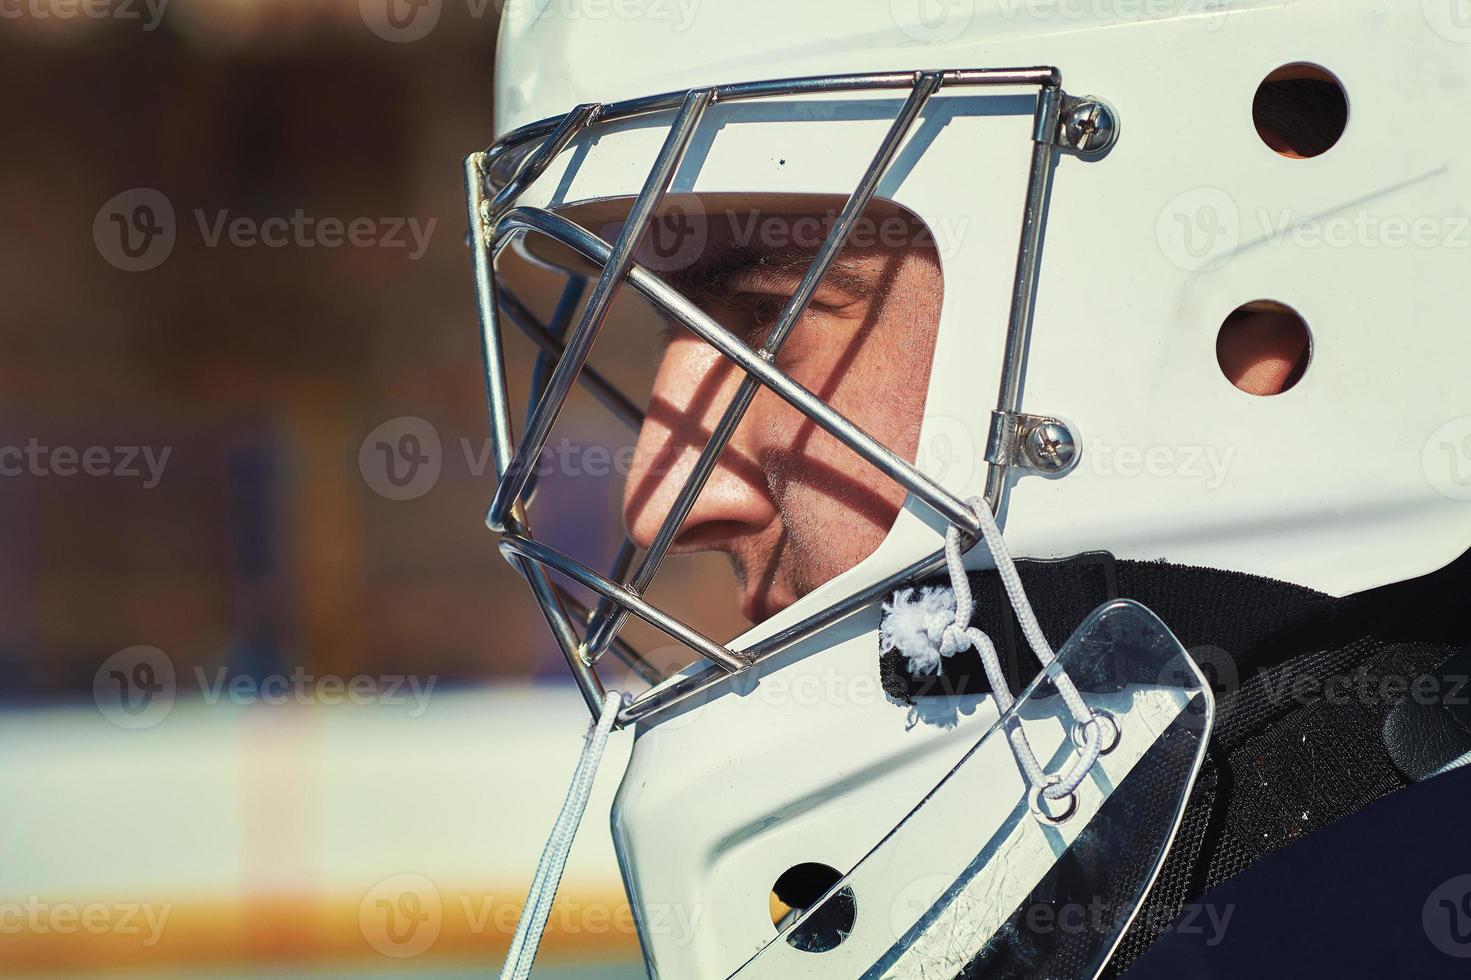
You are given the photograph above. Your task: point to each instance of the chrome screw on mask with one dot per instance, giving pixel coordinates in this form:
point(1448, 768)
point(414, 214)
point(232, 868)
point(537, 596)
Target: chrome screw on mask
point(1050, 447)
point(1091, 127)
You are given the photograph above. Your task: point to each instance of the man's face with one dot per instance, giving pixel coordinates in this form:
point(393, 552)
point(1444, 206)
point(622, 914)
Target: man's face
point(789, 505)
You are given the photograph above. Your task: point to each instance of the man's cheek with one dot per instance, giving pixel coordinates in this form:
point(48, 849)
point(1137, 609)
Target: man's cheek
point(835, 523)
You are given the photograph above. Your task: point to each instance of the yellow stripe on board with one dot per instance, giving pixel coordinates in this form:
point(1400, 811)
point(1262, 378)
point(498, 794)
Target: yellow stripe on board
point(403, 918)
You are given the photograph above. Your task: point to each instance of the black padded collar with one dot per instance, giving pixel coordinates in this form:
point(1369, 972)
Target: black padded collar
point(1259, 621)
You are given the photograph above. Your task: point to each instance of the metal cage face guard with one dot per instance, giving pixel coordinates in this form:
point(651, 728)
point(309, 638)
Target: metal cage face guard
point(496, 179)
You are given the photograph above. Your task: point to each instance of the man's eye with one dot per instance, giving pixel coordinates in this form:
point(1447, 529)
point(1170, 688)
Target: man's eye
point(749, 314)
point(767, 308)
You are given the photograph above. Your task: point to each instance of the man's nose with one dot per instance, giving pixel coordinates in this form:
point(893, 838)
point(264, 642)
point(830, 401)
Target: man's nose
point(692, 390)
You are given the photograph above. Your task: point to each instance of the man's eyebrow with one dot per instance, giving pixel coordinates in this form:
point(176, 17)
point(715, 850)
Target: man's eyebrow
point(709, 276)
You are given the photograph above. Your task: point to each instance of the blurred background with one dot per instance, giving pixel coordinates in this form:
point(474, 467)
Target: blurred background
point(271, 704)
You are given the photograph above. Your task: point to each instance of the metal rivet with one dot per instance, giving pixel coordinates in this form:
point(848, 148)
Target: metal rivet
point(1051, 447)
point(1108, 732)
point(1037, 803)
point(1091, 127)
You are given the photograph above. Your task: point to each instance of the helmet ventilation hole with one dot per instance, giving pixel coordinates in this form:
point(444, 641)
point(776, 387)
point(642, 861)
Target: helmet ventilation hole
point(797, 890)
point(1300, 111)
point(1264, 347)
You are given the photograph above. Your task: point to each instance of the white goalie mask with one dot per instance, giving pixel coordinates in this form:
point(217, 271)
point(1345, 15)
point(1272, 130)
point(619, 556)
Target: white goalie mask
point(1103, 208)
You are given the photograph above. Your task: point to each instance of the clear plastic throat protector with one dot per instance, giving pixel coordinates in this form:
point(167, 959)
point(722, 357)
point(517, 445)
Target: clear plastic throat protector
point(1050, 886)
